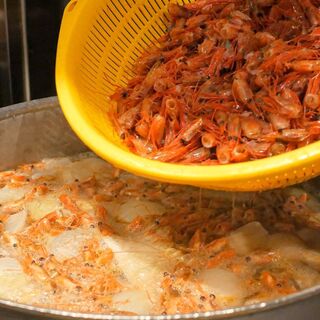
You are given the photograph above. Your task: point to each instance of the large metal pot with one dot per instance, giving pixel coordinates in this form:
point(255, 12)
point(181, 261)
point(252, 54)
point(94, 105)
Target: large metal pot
point(35, 130)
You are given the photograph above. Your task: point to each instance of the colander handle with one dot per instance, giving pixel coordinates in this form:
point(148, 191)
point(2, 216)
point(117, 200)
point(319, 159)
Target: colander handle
point(71, 5)
point(70, 16)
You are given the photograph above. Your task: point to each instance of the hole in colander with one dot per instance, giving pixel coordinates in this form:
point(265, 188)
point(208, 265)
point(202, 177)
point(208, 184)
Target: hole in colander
point(72, 5)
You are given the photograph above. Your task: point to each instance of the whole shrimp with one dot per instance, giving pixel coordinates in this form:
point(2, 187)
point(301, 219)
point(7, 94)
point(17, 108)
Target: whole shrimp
point(230, 81)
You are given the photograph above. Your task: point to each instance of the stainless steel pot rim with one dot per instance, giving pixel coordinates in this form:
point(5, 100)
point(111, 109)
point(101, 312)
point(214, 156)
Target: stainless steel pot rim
point(220, 314)
point(48, 103)
point(28, 107)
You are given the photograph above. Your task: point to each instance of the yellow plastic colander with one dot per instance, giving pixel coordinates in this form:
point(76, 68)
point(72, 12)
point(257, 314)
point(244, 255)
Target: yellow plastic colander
point(99, 42)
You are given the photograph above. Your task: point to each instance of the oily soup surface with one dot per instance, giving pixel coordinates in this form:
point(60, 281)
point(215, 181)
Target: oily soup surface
point(76, 234)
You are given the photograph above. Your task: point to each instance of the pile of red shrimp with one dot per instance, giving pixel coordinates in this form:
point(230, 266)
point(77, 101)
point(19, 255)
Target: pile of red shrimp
point(230, 81)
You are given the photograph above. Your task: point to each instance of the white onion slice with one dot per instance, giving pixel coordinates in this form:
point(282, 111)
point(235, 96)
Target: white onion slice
point(86, 206)
point(9, 266)
point(134, 208)
point(16, 222)
point(12, 194)
point(85, 169)
point(136, 301)
point(292, 248)
point(225, 285)
point(248, 238)
point(66, 171)
point(68, 244)
point(51, 167)
point(14, 284)
point(42, 205)
point(141, 264)
point(54, 164)
point(304, 276)
point(286, 244)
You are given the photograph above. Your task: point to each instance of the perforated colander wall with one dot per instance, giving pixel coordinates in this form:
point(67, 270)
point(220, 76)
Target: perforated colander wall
point(117, 38)
point(102, 40)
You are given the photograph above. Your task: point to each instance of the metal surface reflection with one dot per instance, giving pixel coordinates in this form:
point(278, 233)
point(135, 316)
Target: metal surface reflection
point(29, 32)
point(5, 76)
point(14, 87)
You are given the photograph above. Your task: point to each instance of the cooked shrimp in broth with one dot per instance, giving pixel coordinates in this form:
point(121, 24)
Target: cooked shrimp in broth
point(79, 235)
point(228, 82)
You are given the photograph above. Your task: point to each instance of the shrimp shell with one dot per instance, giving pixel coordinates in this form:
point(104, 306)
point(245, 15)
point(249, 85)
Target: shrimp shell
point(241, 78)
